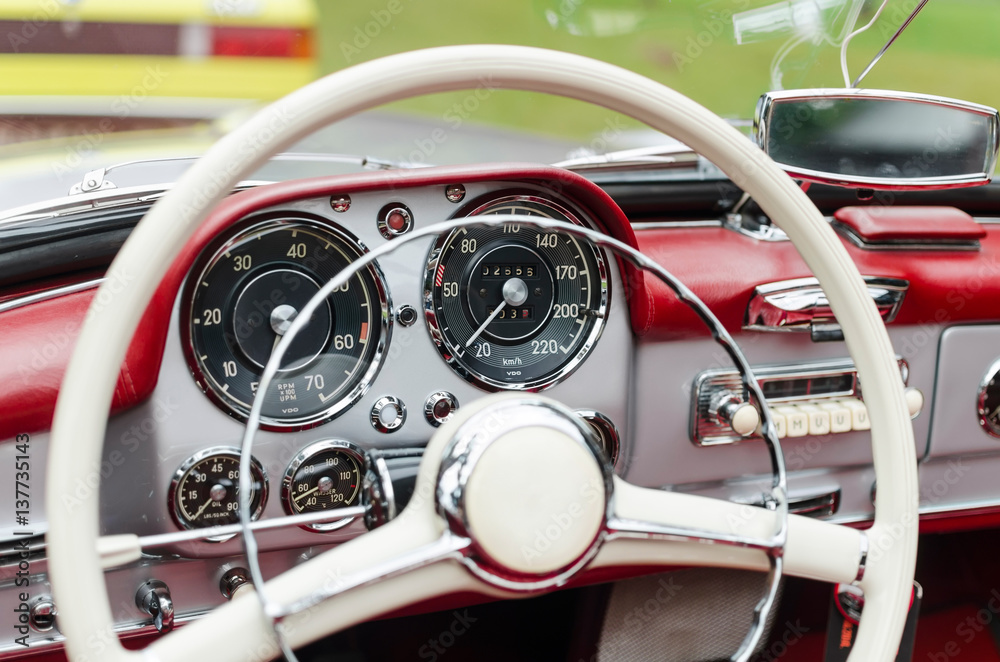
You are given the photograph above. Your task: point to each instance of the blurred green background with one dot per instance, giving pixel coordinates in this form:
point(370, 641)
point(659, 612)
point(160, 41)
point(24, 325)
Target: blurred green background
point(950, 49)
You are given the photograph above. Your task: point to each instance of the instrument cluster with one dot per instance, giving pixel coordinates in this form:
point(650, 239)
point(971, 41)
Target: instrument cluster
point(507, 307)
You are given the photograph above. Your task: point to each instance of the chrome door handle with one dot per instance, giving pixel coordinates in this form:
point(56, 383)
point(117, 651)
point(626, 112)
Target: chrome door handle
point(801, 305)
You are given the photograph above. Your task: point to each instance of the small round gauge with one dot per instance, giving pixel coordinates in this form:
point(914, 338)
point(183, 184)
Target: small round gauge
point(326, 475)
point(243, 296)
point(512, 307)
point(205, 489)
point(988, 403)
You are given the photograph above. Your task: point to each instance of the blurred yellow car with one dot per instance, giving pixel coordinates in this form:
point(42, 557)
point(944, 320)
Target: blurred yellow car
point(131, 50)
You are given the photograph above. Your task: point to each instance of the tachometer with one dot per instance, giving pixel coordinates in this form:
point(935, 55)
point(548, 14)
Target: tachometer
point(243, 296)
point(511, 307)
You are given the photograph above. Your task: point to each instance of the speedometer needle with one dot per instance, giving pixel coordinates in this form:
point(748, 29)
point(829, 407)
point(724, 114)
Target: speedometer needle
point(515, 292)
point(482, 327)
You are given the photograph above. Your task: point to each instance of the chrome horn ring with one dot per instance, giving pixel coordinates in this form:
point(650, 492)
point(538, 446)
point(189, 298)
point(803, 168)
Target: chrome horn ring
point(453, 544)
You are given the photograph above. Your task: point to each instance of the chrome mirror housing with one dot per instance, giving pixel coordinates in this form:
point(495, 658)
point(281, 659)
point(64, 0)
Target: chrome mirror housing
point(878, 139)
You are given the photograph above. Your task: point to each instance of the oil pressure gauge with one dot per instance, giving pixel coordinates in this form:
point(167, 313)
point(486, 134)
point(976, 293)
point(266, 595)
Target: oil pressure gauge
point(205, 489)
point(324, 476)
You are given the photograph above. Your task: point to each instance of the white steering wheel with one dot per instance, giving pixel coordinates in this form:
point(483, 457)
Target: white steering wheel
point(881, 560)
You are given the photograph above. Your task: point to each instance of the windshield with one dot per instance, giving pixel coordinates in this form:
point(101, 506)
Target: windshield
point(88, 83)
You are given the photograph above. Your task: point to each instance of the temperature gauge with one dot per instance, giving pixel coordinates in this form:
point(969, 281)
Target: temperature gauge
point(324, 476)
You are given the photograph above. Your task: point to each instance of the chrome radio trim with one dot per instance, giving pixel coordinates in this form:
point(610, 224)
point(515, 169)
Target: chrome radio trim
point(704, 431)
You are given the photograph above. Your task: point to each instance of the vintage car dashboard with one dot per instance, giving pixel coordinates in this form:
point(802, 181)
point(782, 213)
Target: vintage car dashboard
point(445, 319)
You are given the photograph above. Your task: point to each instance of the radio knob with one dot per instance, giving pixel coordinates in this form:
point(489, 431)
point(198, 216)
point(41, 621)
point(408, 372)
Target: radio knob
point(742, 417)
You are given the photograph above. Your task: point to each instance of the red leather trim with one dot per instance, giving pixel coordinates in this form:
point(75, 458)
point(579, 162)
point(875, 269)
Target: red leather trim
point(38, 339)
point(926, 224)
point(964, 520)
point(723, 267)
point(37, 342)
point(41, 285)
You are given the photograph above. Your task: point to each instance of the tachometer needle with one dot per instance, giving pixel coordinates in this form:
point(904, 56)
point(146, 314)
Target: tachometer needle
point(482, 327)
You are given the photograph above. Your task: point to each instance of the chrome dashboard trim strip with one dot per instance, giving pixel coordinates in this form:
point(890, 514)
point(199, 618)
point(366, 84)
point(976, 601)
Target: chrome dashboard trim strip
point(53, 293)
point(100, 199)
point(670, 225)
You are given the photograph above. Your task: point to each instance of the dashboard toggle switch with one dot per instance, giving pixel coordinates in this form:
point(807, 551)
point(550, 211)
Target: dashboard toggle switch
point(153, 597)
point(738, 414)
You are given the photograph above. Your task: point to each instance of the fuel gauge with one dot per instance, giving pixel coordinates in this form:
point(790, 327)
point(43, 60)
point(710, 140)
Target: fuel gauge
point(324, 476)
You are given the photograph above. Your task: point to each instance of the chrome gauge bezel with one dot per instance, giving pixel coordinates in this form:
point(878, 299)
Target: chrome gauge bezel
point(381, 322)
point(306, 454)
point(447, 351)
point(173, 503)
point(989, 426)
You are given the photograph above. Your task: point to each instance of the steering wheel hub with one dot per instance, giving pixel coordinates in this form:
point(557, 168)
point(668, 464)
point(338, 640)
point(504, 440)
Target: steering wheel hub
point(554, 483)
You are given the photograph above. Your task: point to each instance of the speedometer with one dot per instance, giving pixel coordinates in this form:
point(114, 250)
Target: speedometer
point(513, 307)
point(243, 296)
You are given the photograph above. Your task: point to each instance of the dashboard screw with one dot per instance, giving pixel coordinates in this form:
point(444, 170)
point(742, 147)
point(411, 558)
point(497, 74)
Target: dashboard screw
point(454, 192)
point(538, 291)
point(340, 203)
point(482, 293)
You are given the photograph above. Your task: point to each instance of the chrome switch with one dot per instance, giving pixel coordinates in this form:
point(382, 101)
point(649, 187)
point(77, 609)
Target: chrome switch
point(153, 597)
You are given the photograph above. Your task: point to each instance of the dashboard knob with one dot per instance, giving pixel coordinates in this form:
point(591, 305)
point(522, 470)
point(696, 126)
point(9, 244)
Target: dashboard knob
point(914, 401)
point(742, 417)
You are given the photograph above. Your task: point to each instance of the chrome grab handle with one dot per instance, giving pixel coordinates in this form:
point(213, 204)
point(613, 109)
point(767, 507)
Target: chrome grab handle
point(801, 305)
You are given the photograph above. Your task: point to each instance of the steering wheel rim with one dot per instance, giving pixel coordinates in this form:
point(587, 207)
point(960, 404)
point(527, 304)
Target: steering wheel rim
point(80, 418)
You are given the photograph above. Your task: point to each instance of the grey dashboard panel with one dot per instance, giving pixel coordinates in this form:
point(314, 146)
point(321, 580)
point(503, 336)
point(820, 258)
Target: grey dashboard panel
point(965, 354)
point(661, 452)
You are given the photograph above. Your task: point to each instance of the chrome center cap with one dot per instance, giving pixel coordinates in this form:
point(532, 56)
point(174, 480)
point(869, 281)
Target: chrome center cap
point(535, 501)
point(525, 483)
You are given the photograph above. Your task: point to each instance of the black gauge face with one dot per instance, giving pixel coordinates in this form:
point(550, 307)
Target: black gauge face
point(989, 400)
point(243, 297)
point(324, 476)
point(513, 307)
point(205, 490)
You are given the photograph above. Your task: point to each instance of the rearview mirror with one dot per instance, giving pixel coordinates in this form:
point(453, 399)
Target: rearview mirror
point(877, 139)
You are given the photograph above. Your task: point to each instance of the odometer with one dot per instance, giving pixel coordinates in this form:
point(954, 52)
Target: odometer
point(513, 307)
point(243, 296)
